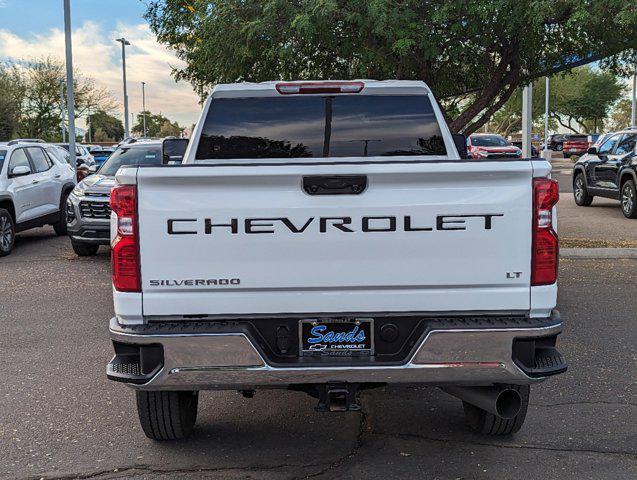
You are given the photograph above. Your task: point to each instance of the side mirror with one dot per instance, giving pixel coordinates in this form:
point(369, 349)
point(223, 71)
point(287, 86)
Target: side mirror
point(20, 171)
point(173, 150)
point(460, 141)
point(592, 150)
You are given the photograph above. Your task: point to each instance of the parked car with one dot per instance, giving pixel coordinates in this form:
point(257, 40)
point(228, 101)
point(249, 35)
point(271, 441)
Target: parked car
point(592, 139)
point(518, 144)
point(82, 154)
point(575, 144)
point(88, 210)
point(284, 254)
point(601, 139)
point(25, 140)
point(60, 153)
point(33, 191)
point(100, 154)
point(556, 142)
point(490, 145)
point(609, 171)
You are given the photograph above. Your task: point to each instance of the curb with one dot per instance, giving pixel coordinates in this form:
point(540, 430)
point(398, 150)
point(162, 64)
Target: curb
point(598, 253)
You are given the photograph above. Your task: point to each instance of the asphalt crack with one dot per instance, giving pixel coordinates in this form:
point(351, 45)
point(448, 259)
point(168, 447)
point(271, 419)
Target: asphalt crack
point(358, 444)
point(128, 471)
point(561, 404)
point(496, 445)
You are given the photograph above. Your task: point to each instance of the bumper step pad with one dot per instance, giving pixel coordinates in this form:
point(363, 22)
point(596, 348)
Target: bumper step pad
point(548, 361)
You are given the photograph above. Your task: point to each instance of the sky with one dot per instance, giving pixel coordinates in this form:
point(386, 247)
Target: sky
point(31, 29)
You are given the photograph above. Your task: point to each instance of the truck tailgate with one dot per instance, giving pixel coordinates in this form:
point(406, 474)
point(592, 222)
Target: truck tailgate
point(422, 237)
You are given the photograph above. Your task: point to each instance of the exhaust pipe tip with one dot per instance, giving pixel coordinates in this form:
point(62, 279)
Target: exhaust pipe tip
point(508, 404)
point(503, 402)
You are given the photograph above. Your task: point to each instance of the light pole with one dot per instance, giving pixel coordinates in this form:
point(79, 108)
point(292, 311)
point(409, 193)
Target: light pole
point(144, 105)
point(527, 119)
point(88, 122)
point(62, 110)
point(545, 152)
point(70, 98)
point(124, 42)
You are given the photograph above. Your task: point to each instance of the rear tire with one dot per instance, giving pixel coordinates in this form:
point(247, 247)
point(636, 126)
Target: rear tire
point(580, 191)
point(487, 423)
point(84, 249)
point(60, 225)
point(629, 199)
point(167, 415)
point(7, 232)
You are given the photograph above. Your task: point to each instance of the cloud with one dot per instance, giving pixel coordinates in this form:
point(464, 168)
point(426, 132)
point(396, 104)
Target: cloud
point(97, 55)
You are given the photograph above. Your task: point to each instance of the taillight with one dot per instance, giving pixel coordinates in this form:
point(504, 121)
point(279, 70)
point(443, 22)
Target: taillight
point(319, 87)
point(125, 247)
point(545, 242)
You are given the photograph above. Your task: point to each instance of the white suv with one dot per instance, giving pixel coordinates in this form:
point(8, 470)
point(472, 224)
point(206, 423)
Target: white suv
point(33, 190)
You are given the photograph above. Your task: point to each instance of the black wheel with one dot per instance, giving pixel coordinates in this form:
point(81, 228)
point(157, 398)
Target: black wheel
point(60, 225)
point(167, 415)
point(84, 249)
point(580, 192)
point(489, 424)
point(559, 147)
point(7, 232)
point(629, 199)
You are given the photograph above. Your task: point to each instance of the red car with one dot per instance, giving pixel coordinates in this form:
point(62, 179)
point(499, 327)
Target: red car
point(575, 144)
point(489, 145)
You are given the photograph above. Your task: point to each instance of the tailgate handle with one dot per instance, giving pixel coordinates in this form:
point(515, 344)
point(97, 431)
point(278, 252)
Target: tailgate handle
point(335, 184)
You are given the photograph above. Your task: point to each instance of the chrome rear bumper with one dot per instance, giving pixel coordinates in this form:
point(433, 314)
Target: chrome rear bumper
point(228, 361)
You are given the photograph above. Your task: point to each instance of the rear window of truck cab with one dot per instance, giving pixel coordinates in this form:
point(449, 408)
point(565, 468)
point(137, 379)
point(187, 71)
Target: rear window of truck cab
point(320, 126)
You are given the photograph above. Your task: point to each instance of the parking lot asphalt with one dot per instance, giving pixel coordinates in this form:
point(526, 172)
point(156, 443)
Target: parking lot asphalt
point(61, 418)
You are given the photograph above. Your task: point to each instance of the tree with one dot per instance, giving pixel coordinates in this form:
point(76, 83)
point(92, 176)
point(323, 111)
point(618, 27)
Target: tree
point(482, 50)
point(508, 119)
point(41, 106)
point(620, 117)
point(157, 125)
point(170, 129)
point(579, 100)
point(584, 96)
point(12, 90)
point(110, 128)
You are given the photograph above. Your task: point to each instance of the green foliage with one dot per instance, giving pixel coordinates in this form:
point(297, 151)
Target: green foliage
point(580, 101)
point(110, 128)
point(620, 117)
point(157, 125)
point(479, 49)
point(584, 97)
point(12, 90)
point(37, 106)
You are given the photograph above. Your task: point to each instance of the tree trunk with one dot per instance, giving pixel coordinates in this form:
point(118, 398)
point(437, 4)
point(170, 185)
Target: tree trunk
point(484, 118)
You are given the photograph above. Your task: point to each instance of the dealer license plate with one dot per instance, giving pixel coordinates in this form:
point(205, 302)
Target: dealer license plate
point(336, 337)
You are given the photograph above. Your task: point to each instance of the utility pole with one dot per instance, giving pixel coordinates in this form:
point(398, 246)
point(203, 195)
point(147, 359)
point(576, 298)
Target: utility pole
point(546, 153)
point(70, 98)
point(88, 123)
point(546, 115)
point(144, 105)
point(633, 122)
point(62, 110)
point(124, 42)
point(527, 120)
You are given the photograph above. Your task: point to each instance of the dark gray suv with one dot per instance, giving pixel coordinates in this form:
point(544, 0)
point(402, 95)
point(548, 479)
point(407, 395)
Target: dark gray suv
point(88, 206)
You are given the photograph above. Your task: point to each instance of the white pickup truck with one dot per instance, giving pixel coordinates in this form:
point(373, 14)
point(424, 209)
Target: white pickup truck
point(330, 237)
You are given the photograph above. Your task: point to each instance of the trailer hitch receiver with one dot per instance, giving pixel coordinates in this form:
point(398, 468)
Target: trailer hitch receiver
point(337, 397)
